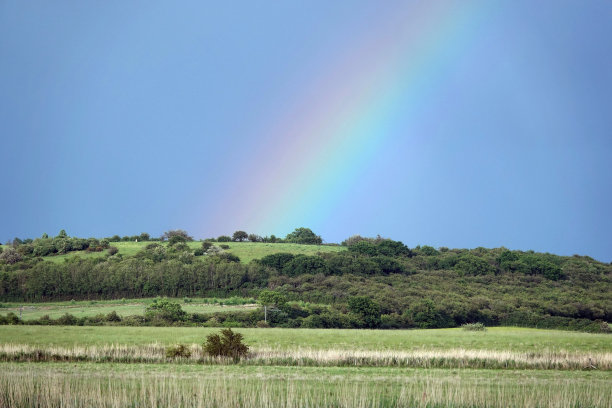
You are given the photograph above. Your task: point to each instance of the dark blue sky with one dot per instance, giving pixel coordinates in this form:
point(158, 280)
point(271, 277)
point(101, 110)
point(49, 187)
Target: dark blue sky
point(441, 123)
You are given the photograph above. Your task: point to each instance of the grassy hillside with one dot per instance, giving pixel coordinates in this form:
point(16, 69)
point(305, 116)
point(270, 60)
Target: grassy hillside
point(246, 251)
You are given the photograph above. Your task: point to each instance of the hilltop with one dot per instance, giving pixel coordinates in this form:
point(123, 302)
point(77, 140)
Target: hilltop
point(365, 282)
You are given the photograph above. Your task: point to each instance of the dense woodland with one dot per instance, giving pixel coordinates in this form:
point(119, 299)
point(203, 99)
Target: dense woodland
point(376, 283)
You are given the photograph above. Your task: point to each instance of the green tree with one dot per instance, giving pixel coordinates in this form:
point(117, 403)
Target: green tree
point(367, 309)
point(169, 234)
point(240, 236)
point(228, 344)
point(304, 236)
point(270, 298)
point(164, 309)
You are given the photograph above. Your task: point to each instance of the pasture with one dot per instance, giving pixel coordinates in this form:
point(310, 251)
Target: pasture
point(109, 366)
point(123, 307)
point(246, 251)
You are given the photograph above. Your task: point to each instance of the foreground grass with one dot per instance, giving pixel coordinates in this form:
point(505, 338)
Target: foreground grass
point(145, 385)
point(496, 338)
point(124, 307)
point(246, 251)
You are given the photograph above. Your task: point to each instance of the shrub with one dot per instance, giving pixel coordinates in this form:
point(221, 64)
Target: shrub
point(262, 324)
point(224, 246)
point(304, 236)
point(112, 250)
point(227, 344)
point(198, 252)
point(206, 245)
point(113, 317)
point(67, 320)
point(179, 350)
point(277, 261)
point(164, 309)
point(474, 327)
point(10, 256)
point(224, 238)
point(175, 239)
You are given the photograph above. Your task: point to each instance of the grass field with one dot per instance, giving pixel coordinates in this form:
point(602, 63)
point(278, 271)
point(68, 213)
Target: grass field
point(124, 307)
point(126, 366)
point(149, 385)
point(496, 338)
point(246, 251)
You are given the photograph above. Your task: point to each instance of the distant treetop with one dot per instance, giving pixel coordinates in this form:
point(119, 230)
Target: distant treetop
point(304, 236)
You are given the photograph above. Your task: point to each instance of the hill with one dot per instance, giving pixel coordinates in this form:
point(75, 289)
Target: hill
point(366, 283)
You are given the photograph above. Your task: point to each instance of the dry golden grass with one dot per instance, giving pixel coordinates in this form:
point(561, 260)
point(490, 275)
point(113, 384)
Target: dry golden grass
point(451, 358)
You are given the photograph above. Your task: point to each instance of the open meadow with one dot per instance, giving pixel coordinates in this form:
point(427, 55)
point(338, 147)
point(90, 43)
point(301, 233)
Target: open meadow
point(246, 251)
point(123, 307)
point(127, 366)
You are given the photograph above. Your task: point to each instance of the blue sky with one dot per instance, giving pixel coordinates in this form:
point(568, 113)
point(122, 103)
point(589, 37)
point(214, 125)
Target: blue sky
point(123, 117)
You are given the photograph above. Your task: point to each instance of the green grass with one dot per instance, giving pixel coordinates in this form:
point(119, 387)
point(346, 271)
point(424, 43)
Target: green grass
point(106, 384)
point(31, 311)
point(496, 338)
point(246, 251)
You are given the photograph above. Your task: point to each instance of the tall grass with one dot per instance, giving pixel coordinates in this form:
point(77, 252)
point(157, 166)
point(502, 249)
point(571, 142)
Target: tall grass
point(27, 387)
point(451, 358)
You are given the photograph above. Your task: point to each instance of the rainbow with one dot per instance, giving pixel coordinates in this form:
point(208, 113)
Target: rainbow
point(315, 152)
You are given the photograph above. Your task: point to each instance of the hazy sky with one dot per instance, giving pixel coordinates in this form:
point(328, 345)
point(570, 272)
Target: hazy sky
point(458, 124)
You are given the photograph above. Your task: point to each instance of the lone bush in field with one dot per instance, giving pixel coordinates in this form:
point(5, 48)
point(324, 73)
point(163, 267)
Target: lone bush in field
point(179, 350)
point(228, 344)
point(473, 327)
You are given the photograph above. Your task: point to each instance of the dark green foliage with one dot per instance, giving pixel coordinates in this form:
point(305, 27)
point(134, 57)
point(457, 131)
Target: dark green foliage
point(198, 252)
point(304, 236)
point(385, 247)
point(206, 245)
point(428, 251)
point(224, 246)
point(166, 310)
point(112, 250)
point(113, 317)
point(366, 309)
point(240, 236)
point(277, 261)
point(364, 248)
point(178, 350)
point(491, 286)
point(67, 320)
point(388, 264)
point(175, 239)
point(224, 238)
point(271, 298)
point(469, 264)
point(426, 315)
point(305, 264)
point(389, 247)
point(227, 344)
point(169, 234)
point(349, 263)
point(227, 257)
